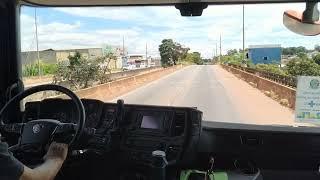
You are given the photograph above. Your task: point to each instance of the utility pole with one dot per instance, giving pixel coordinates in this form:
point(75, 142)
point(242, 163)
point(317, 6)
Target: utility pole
point(37, 41)
point(213, 53)
point(147, 54)
point(220, 48)
point(123, 54)
point(243, 33)
point(216, 49)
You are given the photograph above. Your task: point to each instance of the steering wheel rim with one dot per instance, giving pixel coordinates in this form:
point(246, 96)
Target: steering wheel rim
point(51, 87)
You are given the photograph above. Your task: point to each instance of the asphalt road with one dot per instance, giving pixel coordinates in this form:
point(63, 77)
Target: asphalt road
point(220, 95)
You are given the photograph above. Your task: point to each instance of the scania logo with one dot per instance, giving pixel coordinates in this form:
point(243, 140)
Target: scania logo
point(36, 128)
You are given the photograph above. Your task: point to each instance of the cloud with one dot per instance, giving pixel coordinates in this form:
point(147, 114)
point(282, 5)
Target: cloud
point(57, 35)
point(141, 25)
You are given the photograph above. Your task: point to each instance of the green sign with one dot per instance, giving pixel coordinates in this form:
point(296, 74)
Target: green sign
point(307, 108)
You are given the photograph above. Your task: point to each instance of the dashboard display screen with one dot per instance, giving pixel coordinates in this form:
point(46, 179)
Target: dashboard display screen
point(152, 122)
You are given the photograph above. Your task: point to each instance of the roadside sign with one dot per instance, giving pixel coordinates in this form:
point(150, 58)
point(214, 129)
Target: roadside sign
point(307, 108)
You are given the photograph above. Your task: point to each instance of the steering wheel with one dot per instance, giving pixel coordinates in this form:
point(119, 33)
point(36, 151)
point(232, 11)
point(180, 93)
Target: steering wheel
point(39, 132)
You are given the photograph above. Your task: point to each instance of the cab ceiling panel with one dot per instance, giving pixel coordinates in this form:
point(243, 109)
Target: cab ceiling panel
point(144, 2)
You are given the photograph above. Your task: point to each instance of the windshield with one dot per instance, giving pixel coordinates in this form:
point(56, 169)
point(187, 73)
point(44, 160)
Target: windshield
point(235, 63)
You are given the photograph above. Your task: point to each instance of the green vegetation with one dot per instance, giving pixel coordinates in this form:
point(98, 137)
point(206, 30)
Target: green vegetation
point(273, 68)
point(301, 65)
point(294, 50)
point(80, 72)
point(33, 69)
point(173, 53)
point(306, 67)
point(235, 57)
point(194, 58)
point(316, 58)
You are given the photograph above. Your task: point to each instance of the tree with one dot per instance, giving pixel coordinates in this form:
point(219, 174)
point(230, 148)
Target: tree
point(167, 52)
point(231, 52)
point(197, 58)
point(302, 55)
point(75, 59)
point(171, 52)
point(317, 47)
point(104, 69)
point(77, 73)
point(299, 67)
point(194, 57)
point(294, 50)
point(316, 59)
point(180, 52)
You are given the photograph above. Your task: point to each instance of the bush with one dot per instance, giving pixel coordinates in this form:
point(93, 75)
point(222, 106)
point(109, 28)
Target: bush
point(273, 68)
point(48, 69)
point(302, 67)
point(316, 59)
point(33, 69)
point(30, 70)
point(80, 72)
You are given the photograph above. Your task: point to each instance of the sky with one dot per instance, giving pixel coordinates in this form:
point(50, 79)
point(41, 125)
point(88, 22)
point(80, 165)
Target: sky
point(68, 28)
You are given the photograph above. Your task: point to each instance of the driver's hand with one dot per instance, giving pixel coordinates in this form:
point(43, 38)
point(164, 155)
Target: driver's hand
point(57, 151)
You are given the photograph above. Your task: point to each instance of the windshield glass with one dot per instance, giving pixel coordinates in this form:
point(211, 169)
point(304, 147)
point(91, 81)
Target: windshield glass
point(154, 56)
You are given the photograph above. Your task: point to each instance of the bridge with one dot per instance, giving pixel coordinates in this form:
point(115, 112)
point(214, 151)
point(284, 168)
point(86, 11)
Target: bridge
point(218, 93)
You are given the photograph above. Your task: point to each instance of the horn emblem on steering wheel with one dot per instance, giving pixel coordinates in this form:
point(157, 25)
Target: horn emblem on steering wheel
point(36, 128)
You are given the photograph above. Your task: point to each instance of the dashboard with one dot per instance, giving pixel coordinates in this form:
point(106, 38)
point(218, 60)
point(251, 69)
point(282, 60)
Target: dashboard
point(124, 136)
point(133, 131)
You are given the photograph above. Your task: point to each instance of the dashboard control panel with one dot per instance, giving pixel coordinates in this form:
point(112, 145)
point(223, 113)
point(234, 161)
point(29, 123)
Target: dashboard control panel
point(140, 130)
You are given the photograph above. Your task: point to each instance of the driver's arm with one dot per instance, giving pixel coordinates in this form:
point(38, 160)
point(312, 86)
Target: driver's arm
point(54, 159)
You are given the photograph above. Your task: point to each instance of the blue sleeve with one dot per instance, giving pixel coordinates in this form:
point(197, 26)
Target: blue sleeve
point(10, 167)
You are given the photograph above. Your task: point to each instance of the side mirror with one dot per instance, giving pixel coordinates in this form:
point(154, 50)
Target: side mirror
point(306, 23)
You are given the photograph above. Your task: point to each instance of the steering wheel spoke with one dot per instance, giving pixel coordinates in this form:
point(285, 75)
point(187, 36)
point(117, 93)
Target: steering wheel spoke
point(66, 128)
point(14, 148)
point(64, 132)
point(39, 132)
point(15, 128)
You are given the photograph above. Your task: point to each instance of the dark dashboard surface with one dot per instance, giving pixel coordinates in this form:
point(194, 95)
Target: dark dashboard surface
point(142, 129)
point(242, 150)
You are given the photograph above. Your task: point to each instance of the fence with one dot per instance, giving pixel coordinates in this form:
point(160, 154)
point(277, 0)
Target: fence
point(281, 79)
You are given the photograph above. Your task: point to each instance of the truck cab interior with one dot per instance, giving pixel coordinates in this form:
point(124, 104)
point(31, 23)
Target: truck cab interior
point(141, 142)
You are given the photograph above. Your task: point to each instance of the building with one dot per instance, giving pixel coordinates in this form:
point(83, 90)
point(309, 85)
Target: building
point(265, 54)
point(51, 56)
point(155, 62)
point(136, 60)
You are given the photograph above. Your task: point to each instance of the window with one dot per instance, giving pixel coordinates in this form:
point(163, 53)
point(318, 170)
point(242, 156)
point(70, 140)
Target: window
point(201, 77)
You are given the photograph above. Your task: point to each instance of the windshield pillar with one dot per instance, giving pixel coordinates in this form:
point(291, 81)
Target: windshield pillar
point(10, 66)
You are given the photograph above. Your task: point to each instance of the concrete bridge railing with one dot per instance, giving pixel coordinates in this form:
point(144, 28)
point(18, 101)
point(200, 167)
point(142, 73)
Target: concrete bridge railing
point(285, 94)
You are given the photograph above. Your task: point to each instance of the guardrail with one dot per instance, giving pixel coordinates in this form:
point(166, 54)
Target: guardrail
point(281, 79)
point(123, 74)
point(123, 83)
point(268, 83)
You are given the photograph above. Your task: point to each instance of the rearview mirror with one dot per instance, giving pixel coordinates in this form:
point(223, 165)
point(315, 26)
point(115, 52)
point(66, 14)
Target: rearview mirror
point(306, 23)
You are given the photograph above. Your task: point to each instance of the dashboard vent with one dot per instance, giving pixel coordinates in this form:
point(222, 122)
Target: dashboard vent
point(179, 123)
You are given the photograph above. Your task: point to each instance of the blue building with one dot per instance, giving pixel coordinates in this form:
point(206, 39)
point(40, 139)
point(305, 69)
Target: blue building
point(265, 54)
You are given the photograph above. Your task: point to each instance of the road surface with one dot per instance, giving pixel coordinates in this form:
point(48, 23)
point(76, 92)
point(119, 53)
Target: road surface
point(219, 94)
